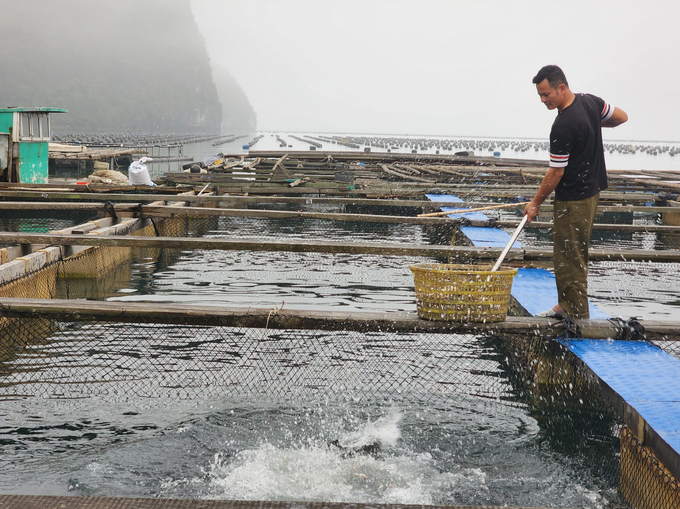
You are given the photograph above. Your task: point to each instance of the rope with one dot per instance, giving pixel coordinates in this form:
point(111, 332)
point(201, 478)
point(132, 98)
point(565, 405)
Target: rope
point(137, 211)
point(62, 265)
point(571, 328)
point(631, 330)
point(109, 209)
point(155, 227)
point(272, 312)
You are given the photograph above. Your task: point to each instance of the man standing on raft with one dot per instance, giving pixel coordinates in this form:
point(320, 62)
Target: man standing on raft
point(577, 174)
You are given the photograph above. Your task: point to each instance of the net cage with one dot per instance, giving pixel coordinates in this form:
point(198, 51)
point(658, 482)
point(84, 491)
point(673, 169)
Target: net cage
point(118, 361)
point(48, 358)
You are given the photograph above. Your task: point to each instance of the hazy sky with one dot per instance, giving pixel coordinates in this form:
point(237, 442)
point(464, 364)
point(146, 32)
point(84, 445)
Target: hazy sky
point(447, 67)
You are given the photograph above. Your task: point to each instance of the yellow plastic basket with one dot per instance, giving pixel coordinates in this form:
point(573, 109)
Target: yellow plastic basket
point(462, 293)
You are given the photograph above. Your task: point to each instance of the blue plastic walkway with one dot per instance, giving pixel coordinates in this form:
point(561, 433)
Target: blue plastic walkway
point(643, 375)
point(534, 289)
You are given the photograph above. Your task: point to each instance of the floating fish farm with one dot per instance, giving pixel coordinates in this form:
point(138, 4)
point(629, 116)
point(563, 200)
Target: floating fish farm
point(250, 336)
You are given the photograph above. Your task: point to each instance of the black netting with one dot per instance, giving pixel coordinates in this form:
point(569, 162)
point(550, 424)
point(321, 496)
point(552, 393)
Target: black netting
point(120, 361)
point(42, 221)
point(174, 361)
point(152, 360)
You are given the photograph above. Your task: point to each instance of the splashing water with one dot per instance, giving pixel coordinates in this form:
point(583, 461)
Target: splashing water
point(384, 431)
point(321, 472)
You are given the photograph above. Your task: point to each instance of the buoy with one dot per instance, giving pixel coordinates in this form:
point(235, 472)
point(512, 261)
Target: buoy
point(246, 147)
point(496, 154)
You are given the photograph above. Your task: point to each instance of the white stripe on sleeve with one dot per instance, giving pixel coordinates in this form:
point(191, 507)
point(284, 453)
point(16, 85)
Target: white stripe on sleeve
point(607, 112)
point(559, 161)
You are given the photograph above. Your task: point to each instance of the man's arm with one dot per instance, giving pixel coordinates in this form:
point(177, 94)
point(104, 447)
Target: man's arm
point(548, 185)
point(618, 117)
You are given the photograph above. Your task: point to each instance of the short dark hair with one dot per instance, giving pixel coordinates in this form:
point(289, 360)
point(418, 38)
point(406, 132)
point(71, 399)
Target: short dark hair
point(553, 74)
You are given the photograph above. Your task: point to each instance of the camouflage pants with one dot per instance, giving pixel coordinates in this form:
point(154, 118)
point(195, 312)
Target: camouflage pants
point(572, 225)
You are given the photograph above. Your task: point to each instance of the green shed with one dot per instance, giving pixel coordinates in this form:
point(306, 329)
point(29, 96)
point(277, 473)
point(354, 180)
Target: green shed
point(24, 144)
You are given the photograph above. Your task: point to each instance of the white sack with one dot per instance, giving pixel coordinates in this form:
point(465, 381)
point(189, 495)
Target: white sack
point(138, 173)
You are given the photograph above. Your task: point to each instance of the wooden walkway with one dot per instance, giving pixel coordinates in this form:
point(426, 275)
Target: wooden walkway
point(232, 316)
point(47, 502)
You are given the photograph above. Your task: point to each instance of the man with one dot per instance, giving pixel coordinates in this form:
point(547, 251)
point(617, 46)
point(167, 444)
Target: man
point(577, 174)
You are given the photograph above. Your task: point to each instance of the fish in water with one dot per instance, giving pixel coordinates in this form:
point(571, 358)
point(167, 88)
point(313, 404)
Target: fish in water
point(348, 451)
point(371, 439)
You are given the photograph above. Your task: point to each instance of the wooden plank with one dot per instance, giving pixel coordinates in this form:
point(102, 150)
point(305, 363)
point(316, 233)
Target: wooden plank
point(233, 316)
point(26, 206)
point(459, 253)
point(242, 188)
point(477, 209)
point(49, 194)
point(90, 502)
point(236, 199)
point(162, 211)
point(392, 156)
point(405, 176)
point(659, 184)
point(169, 211)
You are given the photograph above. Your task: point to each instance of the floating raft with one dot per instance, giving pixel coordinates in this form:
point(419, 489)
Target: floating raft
point(358, 180)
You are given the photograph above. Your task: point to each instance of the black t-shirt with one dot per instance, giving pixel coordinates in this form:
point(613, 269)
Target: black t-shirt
point(576, 146)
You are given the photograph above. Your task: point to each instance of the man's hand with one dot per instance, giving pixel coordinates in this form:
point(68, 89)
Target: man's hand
point(550, 180)
point(531, 210)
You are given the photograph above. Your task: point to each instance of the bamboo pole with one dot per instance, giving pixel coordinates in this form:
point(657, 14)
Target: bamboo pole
point(460, 253)
point(86, 310)
point(464, 254)
point(394, 156)
point(238, 199)
point(405, 176)
point(170, 211)
point(478, 209)
point(244, 188)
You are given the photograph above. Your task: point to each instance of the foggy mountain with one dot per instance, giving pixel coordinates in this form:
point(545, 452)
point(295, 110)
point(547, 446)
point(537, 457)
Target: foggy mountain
point(237, 112)
point(116, 65)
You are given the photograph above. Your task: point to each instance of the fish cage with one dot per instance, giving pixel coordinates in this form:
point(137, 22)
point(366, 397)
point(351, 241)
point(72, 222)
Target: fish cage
point(238, 354)
point(483, 419)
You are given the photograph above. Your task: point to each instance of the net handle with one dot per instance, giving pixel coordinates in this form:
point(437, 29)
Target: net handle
point(512, 241)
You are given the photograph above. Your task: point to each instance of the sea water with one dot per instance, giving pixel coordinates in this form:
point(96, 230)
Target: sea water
point(238, 450)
